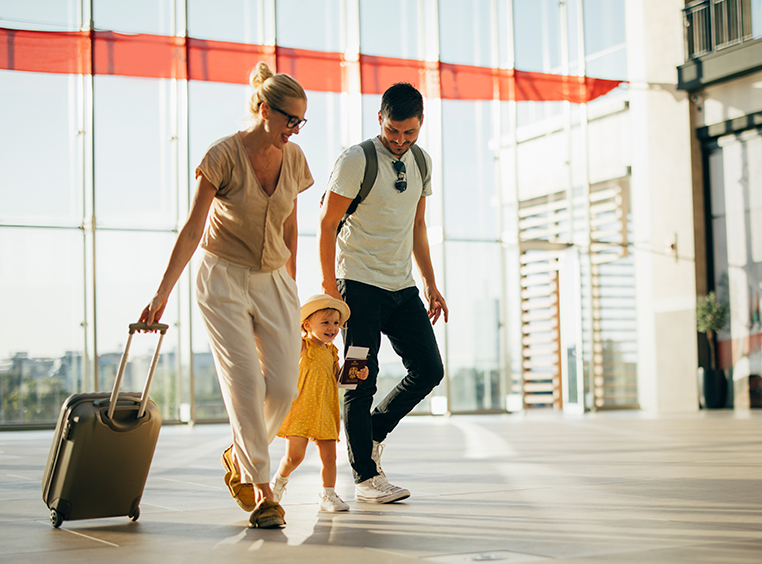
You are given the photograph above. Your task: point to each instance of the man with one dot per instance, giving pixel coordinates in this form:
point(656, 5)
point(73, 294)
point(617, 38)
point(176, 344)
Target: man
point(372, 272)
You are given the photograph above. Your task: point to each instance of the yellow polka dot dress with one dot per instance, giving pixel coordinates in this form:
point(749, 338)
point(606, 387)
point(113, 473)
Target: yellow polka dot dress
point(315, 413)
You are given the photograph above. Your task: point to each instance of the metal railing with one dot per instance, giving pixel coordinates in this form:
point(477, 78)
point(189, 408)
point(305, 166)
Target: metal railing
point(712, 25)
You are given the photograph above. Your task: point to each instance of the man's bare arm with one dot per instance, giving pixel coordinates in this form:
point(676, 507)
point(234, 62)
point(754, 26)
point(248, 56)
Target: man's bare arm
point(331, 213)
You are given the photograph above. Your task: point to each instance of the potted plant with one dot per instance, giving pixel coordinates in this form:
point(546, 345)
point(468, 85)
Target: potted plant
point(711, 317)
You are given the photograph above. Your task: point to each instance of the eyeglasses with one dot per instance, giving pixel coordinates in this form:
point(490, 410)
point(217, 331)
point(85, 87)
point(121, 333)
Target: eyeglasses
point(401, 183)
point(293, 121)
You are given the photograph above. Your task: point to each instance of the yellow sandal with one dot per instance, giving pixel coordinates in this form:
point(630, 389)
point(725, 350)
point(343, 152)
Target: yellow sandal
point(243, 494)
point(267, 515)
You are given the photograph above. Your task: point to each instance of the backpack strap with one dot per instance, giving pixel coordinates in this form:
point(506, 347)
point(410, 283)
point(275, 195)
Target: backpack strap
point(368, 179)
point(420, 161)
point(371, 171)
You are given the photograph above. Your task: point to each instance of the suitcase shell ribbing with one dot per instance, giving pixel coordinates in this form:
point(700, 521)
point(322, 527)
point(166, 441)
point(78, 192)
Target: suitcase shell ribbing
point(101, 453)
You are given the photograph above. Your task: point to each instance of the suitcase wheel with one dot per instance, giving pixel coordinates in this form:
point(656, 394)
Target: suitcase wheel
point(135, 515)
point(55, 518)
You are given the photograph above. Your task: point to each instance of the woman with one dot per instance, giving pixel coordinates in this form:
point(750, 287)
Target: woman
point(246, 287)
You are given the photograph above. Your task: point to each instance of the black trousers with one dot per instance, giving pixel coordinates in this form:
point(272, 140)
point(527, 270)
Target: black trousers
point(402, 317)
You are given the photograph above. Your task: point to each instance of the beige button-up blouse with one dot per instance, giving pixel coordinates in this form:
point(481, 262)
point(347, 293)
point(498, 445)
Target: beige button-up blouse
point(245, 225)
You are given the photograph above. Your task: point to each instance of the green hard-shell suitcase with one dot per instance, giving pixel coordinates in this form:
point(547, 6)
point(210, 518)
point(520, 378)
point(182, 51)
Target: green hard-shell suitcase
point(102, 449)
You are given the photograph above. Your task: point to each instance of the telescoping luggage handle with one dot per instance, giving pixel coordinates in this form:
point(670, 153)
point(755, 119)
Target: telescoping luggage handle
point(162, 329)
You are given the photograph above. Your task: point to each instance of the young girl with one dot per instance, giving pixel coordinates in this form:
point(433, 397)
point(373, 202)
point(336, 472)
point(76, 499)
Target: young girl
point(314, 414)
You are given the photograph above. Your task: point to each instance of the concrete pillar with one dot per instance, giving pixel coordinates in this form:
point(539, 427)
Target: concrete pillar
point(662, 208)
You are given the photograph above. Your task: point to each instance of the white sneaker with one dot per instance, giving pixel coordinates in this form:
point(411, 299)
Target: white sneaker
point(330, 501)
point(278, 486)
point(375, 454)
point(378, 490)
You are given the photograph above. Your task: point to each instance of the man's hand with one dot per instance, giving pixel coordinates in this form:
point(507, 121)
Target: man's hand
point(363, 374)
point(332, 290)
point(437, 305)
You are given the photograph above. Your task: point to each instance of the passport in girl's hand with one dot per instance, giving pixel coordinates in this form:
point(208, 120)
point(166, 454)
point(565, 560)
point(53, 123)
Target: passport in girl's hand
point(357, 358)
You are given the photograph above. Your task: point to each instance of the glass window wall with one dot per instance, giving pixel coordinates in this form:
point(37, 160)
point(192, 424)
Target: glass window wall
point(605, 41)
point(42, 339)
point(473, 334)
point(127, 264)
point(297, 22)
point(235, 21)
point(135, 174)
point(136, 16)
point(735, 195)
point(89, 232)
point(470, 207)
point(537, 28)
point(40, 114)
point(465, 32)
point(390, 29)
point(43, 15)
point(321, 142)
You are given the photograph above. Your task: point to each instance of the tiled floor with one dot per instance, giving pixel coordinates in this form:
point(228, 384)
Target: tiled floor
point(619, 487)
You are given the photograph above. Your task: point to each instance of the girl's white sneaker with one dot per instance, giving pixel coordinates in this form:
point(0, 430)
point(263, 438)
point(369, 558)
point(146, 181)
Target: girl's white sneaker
point(278, 486)
point(330, 501)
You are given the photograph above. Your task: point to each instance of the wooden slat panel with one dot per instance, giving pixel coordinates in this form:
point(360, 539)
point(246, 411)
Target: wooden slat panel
point(538, 399)
point(614, 235)
point(605, 194)
point(538, 339)
point(544, 280)
point(538, 303)
point(615, 217)
point(547, 233)
point(535, 388)
point(544, 207)
point(540, 328)
point(603, 207)
point(550, 349)
point(540, 315)
point(534, 292)
point(539, 268)
point(543, 220)
point(538, 256)
point(550, 365)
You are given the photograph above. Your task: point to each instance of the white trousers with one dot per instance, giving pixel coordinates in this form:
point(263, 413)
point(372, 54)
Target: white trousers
point(252, 319)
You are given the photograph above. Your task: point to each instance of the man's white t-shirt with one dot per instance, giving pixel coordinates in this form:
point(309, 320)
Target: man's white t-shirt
point(375, 245)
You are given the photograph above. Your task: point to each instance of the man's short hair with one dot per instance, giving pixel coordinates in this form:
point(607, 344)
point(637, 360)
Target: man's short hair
point(401, 101)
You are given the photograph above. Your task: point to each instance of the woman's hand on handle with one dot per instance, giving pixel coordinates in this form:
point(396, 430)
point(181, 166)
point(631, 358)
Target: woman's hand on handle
point(154, 310)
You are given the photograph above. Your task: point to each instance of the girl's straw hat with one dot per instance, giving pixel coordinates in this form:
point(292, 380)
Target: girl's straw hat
point(324, 301)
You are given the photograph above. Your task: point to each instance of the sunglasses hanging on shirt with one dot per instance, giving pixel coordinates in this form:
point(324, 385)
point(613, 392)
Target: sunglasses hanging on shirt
point(401, 183)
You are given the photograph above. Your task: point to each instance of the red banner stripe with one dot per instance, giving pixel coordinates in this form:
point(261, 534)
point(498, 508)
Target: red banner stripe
point(315, 70)
point(462, 82)
point(379, 73)
point(149, 56)
point(44, 51)
point(220, 61)
point(160, 56)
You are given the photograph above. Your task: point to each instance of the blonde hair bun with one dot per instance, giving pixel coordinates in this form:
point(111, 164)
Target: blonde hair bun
point(275, 89)
point(259, 74)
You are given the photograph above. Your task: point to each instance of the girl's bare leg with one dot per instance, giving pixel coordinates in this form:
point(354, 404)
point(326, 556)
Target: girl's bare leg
point(295, 449)
point(327, 450)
